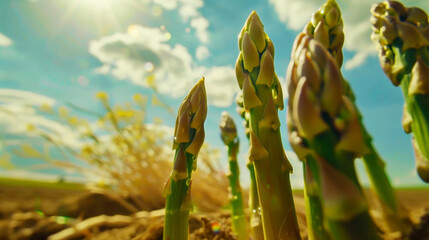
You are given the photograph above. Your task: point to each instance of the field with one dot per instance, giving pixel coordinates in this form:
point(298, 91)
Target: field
point(27, 210)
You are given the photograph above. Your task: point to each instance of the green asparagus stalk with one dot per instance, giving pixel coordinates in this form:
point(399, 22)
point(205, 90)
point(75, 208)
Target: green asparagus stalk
point(402, 38)
point(314, 214)
point(256, 229)
point(262, 97)
point(326, 26)
point(188, 139)
point(325, 131)
point(230, 139)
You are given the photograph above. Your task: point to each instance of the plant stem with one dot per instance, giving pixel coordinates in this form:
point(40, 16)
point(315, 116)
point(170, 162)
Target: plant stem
point(229, 137)
point(256, 228)
point(355, 226)
point(275, 193)
point(325, 132)
point(178, 205)
point(402, 40)
point(313, 205)
point(262, 98)
point(327, 24)
point(188, 139)
point(239, 224)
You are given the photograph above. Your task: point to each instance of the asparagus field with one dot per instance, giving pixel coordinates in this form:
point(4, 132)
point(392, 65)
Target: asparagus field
point(138, 178)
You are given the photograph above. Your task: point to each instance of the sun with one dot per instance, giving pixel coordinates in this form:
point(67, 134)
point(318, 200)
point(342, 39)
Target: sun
point(101, 13)
point(100, 17)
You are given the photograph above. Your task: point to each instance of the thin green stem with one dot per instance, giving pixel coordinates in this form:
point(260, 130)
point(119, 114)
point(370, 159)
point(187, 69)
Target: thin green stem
point(358, 225)
point(379, 180)
point(176, 219)
point(382, 186)
point(188, 139)
point(374, 165)
point(314, 211)
point(178, 206)
point(256, 229)
point(418, 106)
point(238, 217)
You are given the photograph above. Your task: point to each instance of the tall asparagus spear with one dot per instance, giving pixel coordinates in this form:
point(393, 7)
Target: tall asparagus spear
point(188, 139)
point(325, 131)
point(326, 26)
point(262, 97)
point(402, 37)
point(230, 139)
point(329, 12)
point(256, 229)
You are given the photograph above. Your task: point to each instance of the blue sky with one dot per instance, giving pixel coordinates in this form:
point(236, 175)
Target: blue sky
point(67, 51)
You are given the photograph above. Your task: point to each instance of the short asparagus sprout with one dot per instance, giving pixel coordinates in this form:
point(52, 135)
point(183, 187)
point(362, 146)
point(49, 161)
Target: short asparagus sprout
point(188, 139)
point(256, 229)
point(325, 132)
point(326, 26)
point(230, 139)
point(402, 38)
point(262, 97)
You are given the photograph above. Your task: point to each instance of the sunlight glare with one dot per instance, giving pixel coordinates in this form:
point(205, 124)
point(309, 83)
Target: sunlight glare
point(99, 4)
point(133, 30)
point(101, 14)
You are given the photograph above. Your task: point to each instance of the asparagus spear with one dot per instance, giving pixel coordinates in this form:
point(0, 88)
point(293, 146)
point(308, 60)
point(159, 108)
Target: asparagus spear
point(231, 141)
point(256, 229)
point(326, 26)
point(188, 139)
point(402, 38)
point(262, 97)
point(325, 131)
point(328, 13)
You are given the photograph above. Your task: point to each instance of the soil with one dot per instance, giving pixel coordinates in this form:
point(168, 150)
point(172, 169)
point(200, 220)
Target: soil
point(30, 213)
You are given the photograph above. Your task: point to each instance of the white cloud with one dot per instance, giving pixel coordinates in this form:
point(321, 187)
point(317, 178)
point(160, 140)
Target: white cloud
point(127, 54)
point(18, 110)
point(295, 13)
point(105, 69)
point(355, 14)
point(356, 60)
point(201, 24)
point(189, 11)
point(195, 3)
point(172, 70)
point(5, 41)
point(357, 29)
point(9, 96)
point(221, 85)
point(202, 53)
point(167, 4)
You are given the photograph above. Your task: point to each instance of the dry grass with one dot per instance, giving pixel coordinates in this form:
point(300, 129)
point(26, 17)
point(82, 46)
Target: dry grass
point(131, 158)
